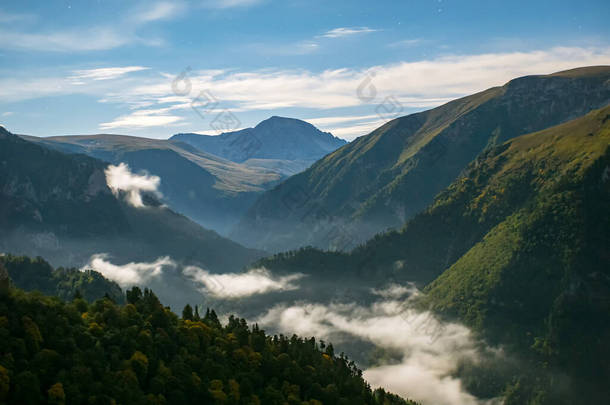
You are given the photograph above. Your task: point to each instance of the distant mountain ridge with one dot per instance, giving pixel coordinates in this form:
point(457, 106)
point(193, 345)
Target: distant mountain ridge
point(208, 189)
point(383, 179)
point(276, 138)
point(59, 206)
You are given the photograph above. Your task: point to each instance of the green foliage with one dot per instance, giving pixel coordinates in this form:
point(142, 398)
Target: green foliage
point(140, 353)
point(67, 284)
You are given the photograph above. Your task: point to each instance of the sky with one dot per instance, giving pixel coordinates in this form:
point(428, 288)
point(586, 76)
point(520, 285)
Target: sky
point(156, 68)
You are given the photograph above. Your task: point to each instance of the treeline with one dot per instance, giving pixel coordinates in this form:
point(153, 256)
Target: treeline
point(58, 352)
point(66, 283)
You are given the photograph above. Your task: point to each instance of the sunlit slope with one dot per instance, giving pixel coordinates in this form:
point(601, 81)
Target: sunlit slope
point(382, 179)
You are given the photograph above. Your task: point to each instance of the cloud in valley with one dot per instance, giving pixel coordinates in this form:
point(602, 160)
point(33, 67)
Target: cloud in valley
point(129, 274)
point(430, 350)
point(121, 179)
point(239, 285)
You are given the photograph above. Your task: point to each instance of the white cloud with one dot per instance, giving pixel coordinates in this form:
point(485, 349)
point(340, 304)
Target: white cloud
point(105, 73)
point(121, 179)
point(347, 31)
point(141, 119)
point(76, 40)
point(229, 3)
point(89, 38)
point(7, 113)
point(323, 121)
point(238, 285)
point(161, 10)
point(15, 17)
point(131, 273)
point(430, 350)
point(420, 84)
point(406, 43)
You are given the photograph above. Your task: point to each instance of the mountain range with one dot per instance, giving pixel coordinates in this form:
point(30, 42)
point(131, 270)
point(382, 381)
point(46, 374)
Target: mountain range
point(60, 206)
point(201, 181)
point(381, 180)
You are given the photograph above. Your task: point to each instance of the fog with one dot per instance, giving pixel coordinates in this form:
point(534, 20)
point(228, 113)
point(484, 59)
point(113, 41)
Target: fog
point(427, 350)
point(402, 348)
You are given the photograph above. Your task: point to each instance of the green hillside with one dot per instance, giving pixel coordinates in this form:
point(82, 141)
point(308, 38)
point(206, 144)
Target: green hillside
point(385, 178)
point(518, 249)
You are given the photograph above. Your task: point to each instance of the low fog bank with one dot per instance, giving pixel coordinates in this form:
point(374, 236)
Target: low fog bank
point(406, 350)
point(416, 355)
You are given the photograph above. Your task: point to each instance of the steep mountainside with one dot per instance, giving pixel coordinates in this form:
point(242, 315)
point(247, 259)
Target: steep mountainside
point(383, 179)
point(210, 190)
point(519, 249)
point(59, 206)
point(284, 144)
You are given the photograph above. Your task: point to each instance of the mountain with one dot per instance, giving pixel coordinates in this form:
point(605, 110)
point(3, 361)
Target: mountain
point(285, 144)
point(518, 249)
point(59, 206)
point(383, 179)
point(211, 190)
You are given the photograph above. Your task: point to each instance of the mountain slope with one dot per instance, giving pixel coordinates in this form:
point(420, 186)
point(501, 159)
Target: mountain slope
point(59, 206)
point(385, 178)
point(517, 248)
point(212, 191)
point(286, 144)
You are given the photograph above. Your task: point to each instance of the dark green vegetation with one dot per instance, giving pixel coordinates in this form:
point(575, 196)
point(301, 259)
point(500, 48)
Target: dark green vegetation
point(518, 248)
point(55, 352)
point(58, 206)
point(287, 144)
point(387, 177)
point(38, 275)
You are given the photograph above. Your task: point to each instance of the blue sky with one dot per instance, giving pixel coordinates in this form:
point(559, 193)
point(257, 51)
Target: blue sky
point(160, 67)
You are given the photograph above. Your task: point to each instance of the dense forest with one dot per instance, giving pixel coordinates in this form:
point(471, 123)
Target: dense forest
point(73, 352)
point(66, 283)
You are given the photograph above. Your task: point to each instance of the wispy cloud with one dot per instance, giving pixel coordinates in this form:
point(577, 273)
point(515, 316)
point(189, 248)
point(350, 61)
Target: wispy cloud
point(76, 40)
point(129, 274)
point(88, 38)
point(121, 179)
point(420, 84)
point(16, 17)
point(141, 119)
point(406, 43)
point(220, 4)
point(161, 10)
point(239, 285)
point(429, 350)
point(106, 73)
point(347, 31)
